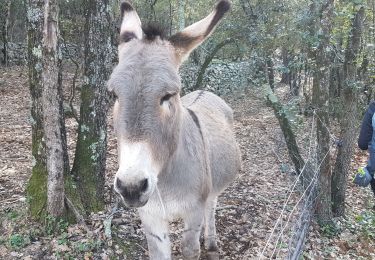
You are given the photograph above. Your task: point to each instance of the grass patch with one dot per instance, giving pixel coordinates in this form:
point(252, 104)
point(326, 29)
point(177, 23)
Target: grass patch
point(12, 215)
point(329, 230)
point(18, 241)
point(366, 221)
point(87, 246)
point(53, 226)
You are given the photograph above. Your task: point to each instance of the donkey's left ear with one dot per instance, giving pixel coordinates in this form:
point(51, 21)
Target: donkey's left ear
point(192, 36)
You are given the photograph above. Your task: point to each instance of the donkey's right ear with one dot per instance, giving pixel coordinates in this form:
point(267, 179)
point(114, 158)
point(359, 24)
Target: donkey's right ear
point(192, 36)
point(131, 27)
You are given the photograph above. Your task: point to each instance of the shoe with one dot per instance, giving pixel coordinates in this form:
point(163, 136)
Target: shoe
point(363, 177)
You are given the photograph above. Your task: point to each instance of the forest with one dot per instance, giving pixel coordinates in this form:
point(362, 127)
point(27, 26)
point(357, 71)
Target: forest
point(80, 79)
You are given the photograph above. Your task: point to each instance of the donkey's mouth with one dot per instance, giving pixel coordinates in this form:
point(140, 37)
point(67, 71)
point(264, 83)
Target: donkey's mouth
point(133, 203)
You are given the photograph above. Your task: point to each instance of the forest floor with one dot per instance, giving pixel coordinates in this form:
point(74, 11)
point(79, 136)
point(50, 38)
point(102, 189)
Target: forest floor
point(247, 211)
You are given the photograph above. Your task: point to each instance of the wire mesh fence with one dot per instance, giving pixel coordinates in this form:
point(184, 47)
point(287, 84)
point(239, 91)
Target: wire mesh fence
point(289, 233)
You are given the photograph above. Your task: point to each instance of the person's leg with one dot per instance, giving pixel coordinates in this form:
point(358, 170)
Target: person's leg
point(371, 160)
point(373, 185)
point(370, 167)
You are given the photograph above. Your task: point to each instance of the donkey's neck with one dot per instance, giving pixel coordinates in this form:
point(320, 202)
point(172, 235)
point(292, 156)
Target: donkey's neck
point(187, 168)
point(191, 144)
point(185, 181)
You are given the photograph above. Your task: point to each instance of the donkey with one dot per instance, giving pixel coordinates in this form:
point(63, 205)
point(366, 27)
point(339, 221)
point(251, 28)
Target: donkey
point(176, 155)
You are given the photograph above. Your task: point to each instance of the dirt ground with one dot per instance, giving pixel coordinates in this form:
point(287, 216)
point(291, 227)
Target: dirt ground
point(247, 210)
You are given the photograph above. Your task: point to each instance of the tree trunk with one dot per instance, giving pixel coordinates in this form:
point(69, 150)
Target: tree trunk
point(270, 72)
point(285, 76)
point(336, 76)
point(287, 130)
point(348, 122)
point(293, 83)
point(181, 14)
point(207, 62)
point(90, 155)
point(53, 114)
point(305, 169)
point(321, 102)
point(37, 186)
point(5, 33)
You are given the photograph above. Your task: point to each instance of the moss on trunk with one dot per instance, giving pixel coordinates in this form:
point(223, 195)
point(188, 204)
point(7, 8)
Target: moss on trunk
point(90, 156)
point(85, 169)
point(37, 191)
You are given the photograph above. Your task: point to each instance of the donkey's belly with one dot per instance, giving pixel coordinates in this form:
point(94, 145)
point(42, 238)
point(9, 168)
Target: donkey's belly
point(224, 160)
point(216, 120)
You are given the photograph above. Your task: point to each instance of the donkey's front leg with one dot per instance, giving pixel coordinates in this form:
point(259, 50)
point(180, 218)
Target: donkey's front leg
point(190, 238)
point(156, 229)
point(210, 230)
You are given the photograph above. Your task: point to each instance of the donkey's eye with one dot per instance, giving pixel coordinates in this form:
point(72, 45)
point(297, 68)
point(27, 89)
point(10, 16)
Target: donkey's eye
point(166, 97)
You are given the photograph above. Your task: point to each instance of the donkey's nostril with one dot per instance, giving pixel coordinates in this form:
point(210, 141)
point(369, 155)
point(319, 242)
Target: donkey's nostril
point(144, 185)
point(132, 193)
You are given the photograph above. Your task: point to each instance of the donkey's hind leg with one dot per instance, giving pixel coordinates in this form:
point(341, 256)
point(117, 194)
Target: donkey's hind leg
point(190, 238)
point(210, 230)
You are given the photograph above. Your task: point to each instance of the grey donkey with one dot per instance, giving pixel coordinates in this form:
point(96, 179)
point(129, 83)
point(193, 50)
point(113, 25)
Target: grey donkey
point(176, 154)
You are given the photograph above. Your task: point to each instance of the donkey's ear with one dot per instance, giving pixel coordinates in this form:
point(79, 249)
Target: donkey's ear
point(131, 27)
point(192, 36)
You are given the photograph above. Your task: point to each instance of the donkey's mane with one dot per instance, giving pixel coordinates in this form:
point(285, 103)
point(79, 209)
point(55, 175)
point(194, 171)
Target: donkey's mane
point(152, 31)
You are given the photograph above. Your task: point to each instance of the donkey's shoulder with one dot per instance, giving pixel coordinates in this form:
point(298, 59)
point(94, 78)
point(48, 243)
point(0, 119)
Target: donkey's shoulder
point(205, 102)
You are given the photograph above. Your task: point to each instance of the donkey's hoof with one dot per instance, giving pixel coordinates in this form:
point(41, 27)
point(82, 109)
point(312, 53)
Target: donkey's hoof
point(196, 257)
point(212, 255)
point(190, 254)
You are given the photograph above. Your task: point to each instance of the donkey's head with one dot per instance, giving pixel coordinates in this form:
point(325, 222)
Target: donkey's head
point(147, 111)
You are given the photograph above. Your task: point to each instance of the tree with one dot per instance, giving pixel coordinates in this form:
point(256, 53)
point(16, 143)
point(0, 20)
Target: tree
point(90, 156)
point(51, 182)
point(45, 90)
point(208, 60)
point(53, 113)
point(5, 28)
point(349, 116)
point(37, 186)
point(321, 102)
point(181, 14)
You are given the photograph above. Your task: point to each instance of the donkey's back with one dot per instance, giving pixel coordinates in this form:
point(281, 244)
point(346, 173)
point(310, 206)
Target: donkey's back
point(216, 120)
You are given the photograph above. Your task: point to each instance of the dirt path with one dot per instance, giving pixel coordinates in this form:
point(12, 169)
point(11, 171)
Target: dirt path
point(246, 214)
point(15, 135)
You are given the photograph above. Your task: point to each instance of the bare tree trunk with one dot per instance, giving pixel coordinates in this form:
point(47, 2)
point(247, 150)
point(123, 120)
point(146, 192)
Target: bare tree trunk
point(348, 121)
point(170, 17)
point(270, 72)
point(37, 185)
point(181, 14)
point(305, 169)
point(90, 156)
point(53, 112)
point(286, 128)
point(5, 33)
point(285, 76)
point(321, 102)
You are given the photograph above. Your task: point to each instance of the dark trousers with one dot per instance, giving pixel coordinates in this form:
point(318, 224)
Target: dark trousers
point(373, 185)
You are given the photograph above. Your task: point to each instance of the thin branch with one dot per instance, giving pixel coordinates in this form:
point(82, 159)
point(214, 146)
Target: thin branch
point(73, 88)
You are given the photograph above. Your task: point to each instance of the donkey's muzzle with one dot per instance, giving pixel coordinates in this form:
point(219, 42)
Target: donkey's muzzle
point(132, 194)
